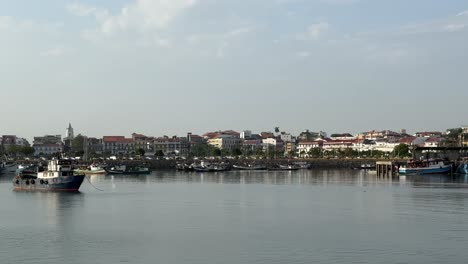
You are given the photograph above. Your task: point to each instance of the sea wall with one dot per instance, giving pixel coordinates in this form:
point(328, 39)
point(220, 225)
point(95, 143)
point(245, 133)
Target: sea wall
point(315, 163)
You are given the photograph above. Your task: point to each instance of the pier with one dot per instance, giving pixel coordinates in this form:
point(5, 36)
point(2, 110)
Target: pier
point(386, 168)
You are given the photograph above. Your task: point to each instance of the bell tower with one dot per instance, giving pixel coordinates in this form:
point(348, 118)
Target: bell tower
point(69, 134)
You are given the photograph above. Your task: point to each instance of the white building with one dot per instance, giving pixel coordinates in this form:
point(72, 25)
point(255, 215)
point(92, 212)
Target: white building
point(228, 142)
point(246, 134)
point(47, 149)
point(286, 137)
point(304, 147)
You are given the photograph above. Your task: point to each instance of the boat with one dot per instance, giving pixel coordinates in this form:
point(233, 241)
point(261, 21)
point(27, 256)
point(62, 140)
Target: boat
point(249, 167)
point(208, 167)
point(431, 166)
point(93, 169)
point(123, 169)
point(463, 167)
point(118, 169)
point(284, 168)
point(9, 167)
point(59, 176)
point(303, 165)
point(184, 167)
point(138, 170)
point(367, 166)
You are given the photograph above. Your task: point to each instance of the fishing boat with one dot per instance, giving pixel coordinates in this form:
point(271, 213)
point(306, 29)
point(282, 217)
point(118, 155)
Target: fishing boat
point(9, 167)
point(303, 165)
point(463, 167)
point(91, 170)
point(208, 167)
point(59, 176)
point(123, 169)
point(184, 167)
point(367, 166)
point(431, 166)
point(249, 167)
point(284, 168)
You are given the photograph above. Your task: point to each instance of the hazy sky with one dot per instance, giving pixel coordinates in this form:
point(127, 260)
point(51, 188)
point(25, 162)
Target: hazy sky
point(113, 67)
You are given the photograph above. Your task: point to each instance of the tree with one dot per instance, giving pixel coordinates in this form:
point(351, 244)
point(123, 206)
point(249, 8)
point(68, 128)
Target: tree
point(236, 152)
point(77, 145)
point(315, 152)
point(159, 153)
point(401, 150)
point(216, 152)
point(140, 152)
point(27, 150)
point(13, 150)
point(277, 130)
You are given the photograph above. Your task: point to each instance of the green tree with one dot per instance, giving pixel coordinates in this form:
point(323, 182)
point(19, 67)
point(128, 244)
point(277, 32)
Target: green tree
point(159, 153)
point(401, 150)
point(216, 152)
point(13, 150)
point(202, 150)
point(315, 152)
point(27, 150)
point(140, 152)
point(77, 145)
point(277, 130)
point(236, 152)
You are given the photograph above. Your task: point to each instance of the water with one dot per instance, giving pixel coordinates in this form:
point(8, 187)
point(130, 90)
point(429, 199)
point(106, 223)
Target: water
point(239, 217)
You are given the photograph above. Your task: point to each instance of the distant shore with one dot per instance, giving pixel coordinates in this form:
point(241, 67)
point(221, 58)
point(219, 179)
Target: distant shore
point(315, 163)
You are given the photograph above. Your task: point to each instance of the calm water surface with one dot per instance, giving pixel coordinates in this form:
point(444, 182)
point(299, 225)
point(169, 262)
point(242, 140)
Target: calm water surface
point(239, 217)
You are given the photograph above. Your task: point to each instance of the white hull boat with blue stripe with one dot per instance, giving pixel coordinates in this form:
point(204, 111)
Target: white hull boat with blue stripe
point(426, 167)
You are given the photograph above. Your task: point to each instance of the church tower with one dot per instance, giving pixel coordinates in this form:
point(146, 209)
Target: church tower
point(69, 134)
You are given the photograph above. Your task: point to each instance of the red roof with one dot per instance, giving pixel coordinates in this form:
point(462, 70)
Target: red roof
point(407, 140)
point(117, 139)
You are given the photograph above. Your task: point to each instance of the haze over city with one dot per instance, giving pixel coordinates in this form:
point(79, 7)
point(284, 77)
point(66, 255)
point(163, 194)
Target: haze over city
point(170, 67)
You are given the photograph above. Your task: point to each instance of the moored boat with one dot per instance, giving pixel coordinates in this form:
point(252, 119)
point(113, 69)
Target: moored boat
point(463, 168)
point(284, 168)
point(59, 176)
point(426, 167)
point(123, 169)
point(249, 167)
point(9, 167)
point(91, 170)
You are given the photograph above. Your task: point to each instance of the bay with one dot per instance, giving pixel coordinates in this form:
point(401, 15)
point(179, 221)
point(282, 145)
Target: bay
point(314, 216)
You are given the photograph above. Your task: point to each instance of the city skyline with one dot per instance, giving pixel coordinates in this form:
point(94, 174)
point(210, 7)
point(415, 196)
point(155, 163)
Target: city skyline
point(293, 132)
point(172, 67)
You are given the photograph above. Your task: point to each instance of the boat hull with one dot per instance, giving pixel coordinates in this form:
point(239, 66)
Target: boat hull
point(463, 169)
point(253, 168)
point(65, 184)
point(432, 170)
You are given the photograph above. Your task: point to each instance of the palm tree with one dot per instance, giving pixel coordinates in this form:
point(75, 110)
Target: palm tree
point(277, 130)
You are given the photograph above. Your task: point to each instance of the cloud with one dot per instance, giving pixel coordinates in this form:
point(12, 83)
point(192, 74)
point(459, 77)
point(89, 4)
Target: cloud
point(303, 54)
point(464, 13)
point(220, 42)
point(454, 27)
point(140, 15)
point(316, 30)
point(11, 24)
point(81, 9)
point(54, 52)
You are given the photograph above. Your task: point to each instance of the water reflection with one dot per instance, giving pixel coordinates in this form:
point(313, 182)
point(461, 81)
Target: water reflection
point(301, 177)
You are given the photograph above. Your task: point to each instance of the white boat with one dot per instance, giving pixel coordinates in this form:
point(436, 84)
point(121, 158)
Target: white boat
point(9, 167)
point(426, 167)
point(59, 176)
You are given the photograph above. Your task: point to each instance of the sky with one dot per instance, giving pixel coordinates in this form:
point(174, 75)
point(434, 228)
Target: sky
point(168, 67)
